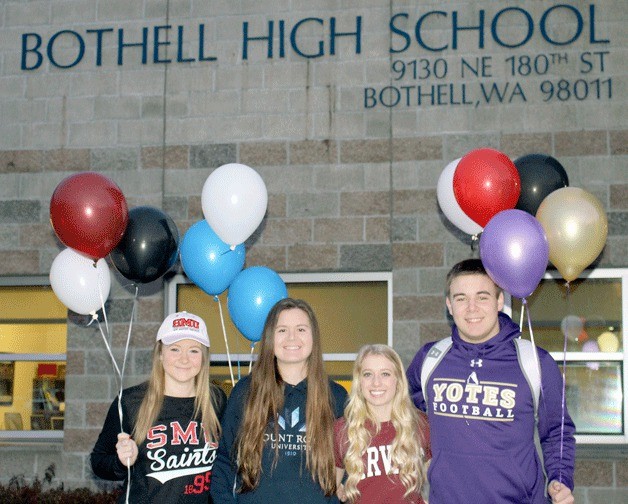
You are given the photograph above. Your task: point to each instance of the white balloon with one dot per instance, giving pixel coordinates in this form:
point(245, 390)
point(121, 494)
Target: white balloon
point(79, 284)
point(234, 202)
point(448, 203)
point(571, 327)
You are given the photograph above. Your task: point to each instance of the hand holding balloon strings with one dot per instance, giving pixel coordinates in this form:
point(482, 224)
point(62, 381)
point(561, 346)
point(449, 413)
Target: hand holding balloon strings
point(119, 374)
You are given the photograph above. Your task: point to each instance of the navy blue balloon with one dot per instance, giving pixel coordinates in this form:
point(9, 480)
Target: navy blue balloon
point(251, 296)
point(540, 175)
point(208, 261)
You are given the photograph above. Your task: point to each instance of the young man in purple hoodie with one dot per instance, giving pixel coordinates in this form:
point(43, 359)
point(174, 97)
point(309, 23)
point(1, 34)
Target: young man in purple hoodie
point(481, 407)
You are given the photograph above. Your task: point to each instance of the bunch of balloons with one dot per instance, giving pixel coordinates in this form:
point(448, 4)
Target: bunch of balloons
point(234, 201)
point(89, 214)
point(606, 342)
point(526, 214)
point(569, 230)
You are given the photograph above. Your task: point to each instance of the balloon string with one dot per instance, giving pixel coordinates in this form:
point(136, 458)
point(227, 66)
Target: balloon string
point(474, 242)
point(536, 354)
point(563, 398)
point(120, 414)
point(224, 333)
point(126, 352)
point(119, 377)
point(102, 303)
point(251, 357)
point(523, 309)
point(107, 346)
point(119, 374)
point(239, 363)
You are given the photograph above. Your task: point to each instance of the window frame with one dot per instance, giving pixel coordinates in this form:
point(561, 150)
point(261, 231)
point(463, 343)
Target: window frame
point(55, 436)
point(621, 357)
point(339, 277)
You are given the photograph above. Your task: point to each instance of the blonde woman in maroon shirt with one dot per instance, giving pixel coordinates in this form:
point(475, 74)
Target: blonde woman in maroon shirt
point(382, 442)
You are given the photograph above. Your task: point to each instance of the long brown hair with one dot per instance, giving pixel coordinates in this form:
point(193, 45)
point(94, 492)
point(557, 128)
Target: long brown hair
point(266, 398)
point(154, 398)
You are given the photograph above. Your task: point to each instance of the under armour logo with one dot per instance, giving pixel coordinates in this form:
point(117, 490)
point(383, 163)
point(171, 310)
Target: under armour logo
point(434, 353)
point(476, 362)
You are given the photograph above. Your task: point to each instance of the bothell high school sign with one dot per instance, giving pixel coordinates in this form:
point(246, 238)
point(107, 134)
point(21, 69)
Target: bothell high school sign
point(433, 32)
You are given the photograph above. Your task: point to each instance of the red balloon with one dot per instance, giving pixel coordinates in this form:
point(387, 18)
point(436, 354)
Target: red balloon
point(88, 212)
point(486, 181)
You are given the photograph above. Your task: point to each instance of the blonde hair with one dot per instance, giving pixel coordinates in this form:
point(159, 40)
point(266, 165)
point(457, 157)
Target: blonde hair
point(266, 398)
point(154, 398)
point(406, 455)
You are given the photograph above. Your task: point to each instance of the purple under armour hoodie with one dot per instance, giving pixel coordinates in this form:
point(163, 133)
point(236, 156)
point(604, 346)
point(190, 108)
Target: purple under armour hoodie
point(481, 413)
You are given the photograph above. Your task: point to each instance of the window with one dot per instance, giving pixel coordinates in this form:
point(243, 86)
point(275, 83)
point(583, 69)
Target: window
point(33, 334)
point(591, 314)
point(352, 309)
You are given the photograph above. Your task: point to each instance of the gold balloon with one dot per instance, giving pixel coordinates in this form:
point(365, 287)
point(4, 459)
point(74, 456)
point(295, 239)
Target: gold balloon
point(576, 226)
point(608, 342)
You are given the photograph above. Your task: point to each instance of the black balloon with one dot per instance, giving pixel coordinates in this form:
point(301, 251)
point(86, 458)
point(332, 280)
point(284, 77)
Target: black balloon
point(540, 175)
point(149, 247)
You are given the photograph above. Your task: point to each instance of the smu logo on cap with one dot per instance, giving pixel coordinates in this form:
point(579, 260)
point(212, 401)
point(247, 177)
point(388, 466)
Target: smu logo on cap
point(185, 322)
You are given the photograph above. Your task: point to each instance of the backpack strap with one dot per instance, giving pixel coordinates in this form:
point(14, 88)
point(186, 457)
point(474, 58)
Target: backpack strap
point(531, 368)
point(432, 359)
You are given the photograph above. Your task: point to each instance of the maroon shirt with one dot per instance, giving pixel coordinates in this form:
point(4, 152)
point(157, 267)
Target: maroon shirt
point(379, 485)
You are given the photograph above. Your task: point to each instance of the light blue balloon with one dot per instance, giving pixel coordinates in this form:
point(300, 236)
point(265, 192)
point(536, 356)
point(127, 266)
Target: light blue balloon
point(252, 294)
point(208, 261)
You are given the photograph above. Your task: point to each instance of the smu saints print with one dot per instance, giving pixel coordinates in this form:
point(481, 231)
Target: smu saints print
point(177, 459)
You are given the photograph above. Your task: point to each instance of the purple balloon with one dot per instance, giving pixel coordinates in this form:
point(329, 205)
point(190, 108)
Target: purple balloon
point(514, 251)
point(591, 346)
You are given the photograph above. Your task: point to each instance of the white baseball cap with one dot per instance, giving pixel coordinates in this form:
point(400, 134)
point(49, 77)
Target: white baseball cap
point(183, 325)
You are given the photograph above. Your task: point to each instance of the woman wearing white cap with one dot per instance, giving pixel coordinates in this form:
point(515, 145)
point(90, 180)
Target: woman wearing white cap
point(166, 430)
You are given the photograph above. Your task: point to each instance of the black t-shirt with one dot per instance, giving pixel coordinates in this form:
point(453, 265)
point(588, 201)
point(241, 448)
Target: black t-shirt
point(175, 460)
